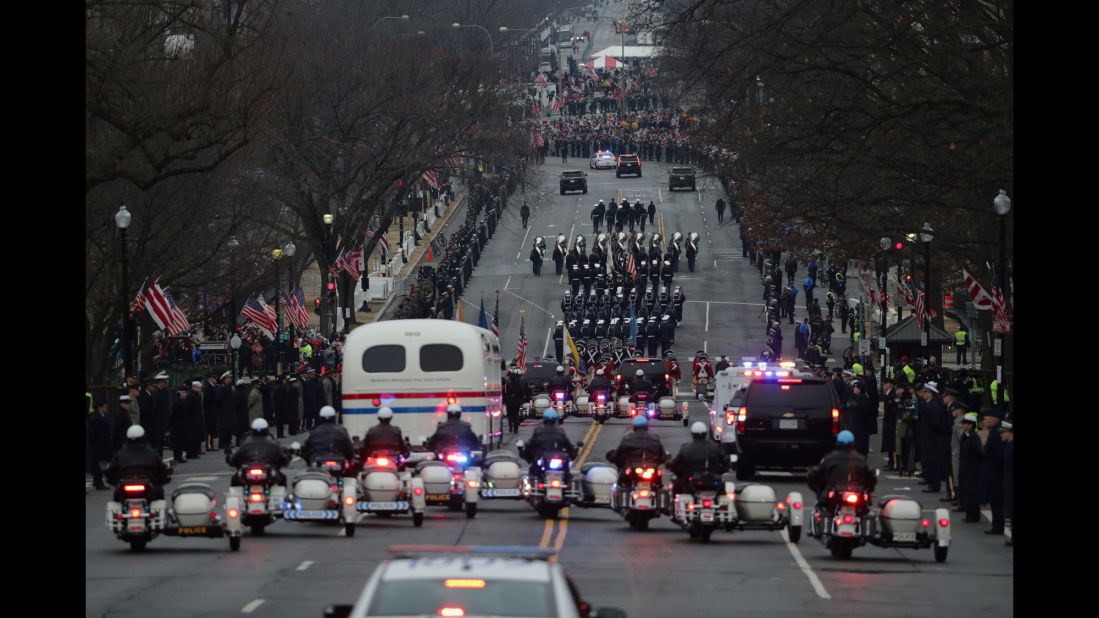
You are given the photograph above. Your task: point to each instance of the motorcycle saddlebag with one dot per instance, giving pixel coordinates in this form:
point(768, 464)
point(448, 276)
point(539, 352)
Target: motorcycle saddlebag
point(755, 502)
point(192, 504)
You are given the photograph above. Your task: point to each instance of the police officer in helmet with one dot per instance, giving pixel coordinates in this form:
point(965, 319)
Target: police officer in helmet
point(384, 436)
point(548, 437)
point(137, 460)
point(454, 433)
point(637, 445)
point(328, 439)
point(697, 459)
point(259, 448)
point(560, 381)
point(841, 468)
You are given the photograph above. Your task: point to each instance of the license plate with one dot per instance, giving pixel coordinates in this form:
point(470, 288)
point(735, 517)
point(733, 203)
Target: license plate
point(192, 530)
point(707, 516)
point(846, 530)
point(383, 506)
point(904, 536)
point(501, 493)
point(437, 497)
point(136, 525)
point(788, 423)
point(553, 494)
point(257, 507)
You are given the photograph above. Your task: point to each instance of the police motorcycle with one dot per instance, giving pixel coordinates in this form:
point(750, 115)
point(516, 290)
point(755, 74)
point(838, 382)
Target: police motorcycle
point(321, 492)
point(639, 494)
point(388, 487)
point(552, 487)
point(748, 507)
point(451, 478)
point(138, 512)
point(898, 521)
point(503, 474)
point(641, 402)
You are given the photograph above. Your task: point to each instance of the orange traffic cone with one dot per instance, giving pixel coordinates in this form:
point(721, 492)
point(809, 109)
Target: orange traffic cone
point(429, 254)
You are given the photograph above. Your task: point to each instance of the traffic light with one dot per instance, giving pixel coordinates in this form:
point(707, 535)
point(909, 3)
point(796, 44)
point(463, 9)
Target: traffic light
point(317, 306)
point(898, 245)
point(332, 292)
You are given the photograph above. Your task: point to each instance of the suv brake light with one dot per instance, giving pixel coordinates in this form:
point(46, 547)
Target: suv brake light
point(742, 419)
point(835, 420)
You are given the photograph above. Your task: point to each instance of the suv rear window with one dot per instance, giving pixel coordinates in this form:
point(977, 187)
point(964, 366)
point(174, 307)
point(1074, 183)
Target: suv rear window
point(804, 395)
point(629, 159)
point(630, 368)
point(682, 170)
point(384, 359)
point(573, 174)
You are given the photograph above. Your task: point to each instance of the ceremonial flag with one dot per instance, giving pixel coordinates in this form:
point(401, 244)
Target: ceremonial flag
point(178, 323)
point(139, 300)
point(257, 312)
point(495, 328)
point(631, 266)
point(521, 351)
point(921, 312)
point(906, 290)
point(873, 295)
point(383, 246)
point(1001, 321)
point(980, 297)
point(337, 265)
point(571, 352)
point(541, 81)
point(351, 262)
point(432, 179)
point(295, 308)
point(481, 321)
point(633, 323)
point(158, 306)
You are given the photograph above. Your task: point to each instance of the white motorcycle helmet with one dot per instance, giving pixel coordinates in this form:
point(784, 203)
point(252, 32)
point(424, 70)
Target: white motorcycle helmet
point(599, 372)
point(385, 413)
point(327, 412)
point(639, 373)
point(699, 429)
point(259, 425)
point(135, 432)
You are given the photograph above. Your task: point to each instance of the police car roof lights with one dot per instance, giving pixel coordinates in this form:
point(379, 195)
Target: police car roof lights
point(504, 551)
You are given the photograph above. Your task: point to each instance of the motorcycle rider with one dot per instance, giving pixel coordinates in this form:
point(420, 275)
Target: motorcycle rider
point(384, 435)
point(454, 433)
point(548, 437)
point(560, 382)
point(600, 383)
point(697, 457)
point(259, 448)
point(636, 445)
point(840, 468)
point(137, 460)
point(641, 384)
point(327, 439)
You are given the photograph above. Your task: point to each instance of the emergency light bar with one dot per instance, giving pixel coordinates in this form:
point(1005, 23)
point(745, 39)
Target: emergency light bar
point(504, 551)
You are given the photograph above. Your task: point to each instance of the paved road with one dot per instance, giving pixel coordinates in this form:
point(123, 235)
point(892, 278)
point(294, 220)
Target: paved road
point(297, 569)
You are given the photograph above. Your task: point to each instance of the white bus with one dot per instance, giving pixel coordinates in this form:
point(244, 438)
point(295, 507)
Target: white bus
point(417, 368)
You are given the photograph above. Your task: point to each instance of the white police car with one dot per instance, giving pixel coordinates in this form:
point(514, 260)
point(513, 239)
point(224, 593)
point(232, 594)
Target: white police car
point(466, 581)
point(603, 159)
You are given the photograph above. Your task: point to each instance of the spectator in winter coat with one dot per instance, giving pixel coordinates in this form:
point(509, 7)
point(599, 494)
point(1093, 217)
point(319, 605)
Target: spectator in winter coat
point(196, 431)
point(255, 402)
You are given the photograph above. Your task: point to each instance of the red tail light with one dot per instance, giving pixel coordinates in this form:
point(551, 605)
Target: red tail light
point(797, 506)
point(742, 419)
point(944, 522)
point(925, 523)
point(707, 503)
point(648, 473)
point(691, 507)
point(835, 420)
point(419, 491)
point(850, 497)
point(780, 506)
point(847, 519)
point(213, 515)
point(255, 497)
point(133, 488)
point(255, 472)
point(382, 461)
point(644, 493)
point(451, 611)
point(330, 463)
point(730, 417)
point(349, 500)
point(233, 513)
point(555, 484)
point(135, 513)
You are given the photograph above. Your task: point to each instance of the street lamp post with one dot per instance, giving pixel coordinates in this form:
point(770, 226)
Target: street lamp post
point(926, 236)
point(404, 18)
point(491, 48)
point(330, 312)
point(275, 255)
point(235, 344)
point(233, 245)
point(885, 244)
point(289, 251)
point(1002, 204)
point(122, 220)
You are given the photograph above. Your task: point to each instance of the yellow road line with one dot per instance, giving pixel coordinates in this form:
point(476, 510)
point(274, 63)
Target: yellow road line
point(660, 224)
point(589, 443)
point(561, 534)
point(547, 531)
point(546, 534)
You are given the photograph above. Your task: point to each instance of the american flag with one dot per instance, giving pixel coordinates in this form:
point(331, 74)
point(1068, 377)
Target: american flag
point(631, 266)
point(431, 177)
point(159, 308)
point(295, 308)
point(351, 262)
point(139, 301)
point(981, 298)
point(556, 103)
point(383, 246)
point(260, 314)
point(906, 291)
point(337, 265)
point(495, 327)
point(521, 352)
point(541, 81)
point(1001, 321)
point(535, 110)
point(922, 309)
point(873, 295)
point(179, 323)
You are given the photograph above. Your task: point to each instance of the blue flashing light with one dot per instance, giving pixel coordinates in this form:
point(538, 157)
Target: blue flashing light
point(555, 463)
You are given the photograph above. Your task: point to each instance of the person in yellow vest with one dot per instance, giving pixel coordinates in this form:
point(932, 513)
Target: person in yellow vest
point(909, 372)
point(857, 368)
point(307, 351)
point(961, 345)
point(994, 391)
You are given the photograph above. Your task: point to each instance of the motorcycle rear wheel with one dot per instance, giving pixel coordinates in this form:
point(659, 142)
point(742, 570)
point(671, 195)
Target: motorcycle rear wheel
point(417, 519)
point(258, 529)
point(234, 543)
point(940, 553)
point(137, 545)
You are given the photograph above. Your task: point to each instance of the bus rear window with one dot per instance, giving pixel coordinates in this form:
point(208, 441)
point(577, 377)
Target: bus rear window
point(440, 357)
point(384, 359)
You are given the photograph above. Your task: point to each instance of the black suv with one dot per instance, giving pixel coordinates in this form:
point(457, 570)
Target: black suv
point(574, 180)
point(681, 177)
point(785, 423)
point(628, 164)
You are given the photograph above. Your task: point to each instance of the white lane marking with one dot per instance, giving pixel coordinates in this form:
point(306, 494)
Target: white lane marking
point(198, 479)
point(725, 302)
point(567, 240)
point(805, 568)
point(704, 350)
point(707, 317)
point(524, 243)
point(251, 607)
point(507, 283)
point(659, 195)
point(545, 348)
point(715, 262)
point(304, 565)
